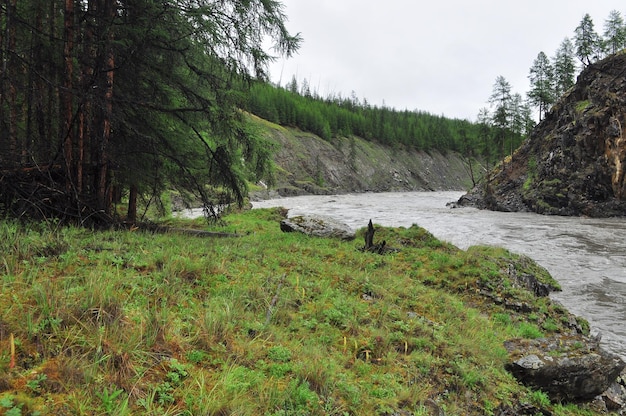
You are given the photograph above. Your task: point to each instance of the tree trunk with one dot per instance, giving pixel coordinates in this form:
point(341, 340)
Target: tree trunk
point(10, 72)
point(379, 248)
point(68, 50)
point(103, 185)
point(132, 204)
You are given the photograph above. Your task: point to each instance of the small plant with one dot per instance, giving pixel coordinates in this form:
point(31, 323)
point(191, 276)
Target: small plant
point(528, 330)
point(550, 325)
point(108, 399)
point(173, 379)
point(540, 399)
point(279, 353)
point(35, 384)
point(197, 356)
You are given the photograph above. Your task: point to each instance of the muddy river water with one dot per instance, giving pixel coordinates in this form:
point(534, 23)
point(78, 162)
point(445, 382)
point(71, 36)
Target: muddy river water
point(587, 256)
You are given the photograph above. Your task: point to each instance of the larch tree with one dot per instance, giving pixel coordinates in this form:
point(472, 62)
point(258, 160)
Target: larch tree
point(130, 97)
point(587, 42)
point(614, 32)
point(501, 100)
point(541, 76)
point(564, 65)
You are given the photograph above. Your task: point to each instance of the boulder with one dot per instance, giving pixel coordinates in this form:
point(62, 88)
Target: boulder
point(568, 368)
point(318, 226)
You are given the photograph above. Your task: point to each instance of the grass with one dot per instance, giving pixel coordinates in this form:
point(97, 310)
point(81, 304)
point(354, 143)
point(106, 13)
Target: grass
point(121, 322)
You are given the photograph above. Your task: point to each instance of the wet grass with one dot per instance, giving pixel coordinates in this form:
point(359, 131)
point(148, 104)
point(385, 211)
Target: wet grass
point(122, 322)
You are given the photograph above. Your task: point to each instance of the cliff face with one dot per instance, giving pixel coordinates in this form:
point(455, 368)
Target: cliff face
point(306, 164)
point(574, 162)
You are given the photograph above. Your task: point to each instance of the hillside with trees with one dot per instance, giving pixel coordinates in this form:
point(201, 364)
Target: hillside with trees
point(572, 163)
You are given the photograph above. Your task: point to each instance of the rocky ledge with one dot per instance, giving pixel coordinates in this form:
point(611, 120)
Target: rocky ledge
point(569, 368)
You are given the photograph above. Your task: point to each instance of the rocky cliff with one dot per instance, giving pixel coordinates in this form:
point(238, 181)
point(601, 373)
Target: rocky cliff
point(573, 163)
point(306, 164)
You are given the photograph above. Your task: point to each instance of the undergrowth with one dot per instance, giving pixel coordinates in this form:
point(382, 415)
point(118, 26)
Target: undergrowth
point(130, 322)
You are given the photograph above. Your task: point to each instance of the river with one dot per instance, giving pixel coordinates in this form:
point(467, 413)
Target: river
point(586, 255)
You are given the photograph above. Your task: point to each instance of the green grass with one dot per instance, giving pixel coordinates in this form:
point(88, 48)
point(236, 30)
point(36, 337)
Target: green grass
point(121, 322)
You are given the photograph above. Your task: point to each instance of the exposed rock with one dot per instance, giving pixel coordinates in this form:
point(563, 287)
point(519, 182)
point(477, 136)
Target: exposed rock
point(615, 396)
point(318, 226)
point(567, 367)
point(309, 165)
point(573, 163)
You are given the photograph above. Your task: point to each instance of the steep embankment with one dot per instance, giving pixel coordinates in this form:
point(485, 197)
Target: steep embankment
point(573, 162)
point(307, 164)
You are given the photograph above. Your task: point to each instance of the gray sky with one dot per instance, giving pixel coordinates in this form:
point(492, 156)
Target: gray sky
point(441, 56)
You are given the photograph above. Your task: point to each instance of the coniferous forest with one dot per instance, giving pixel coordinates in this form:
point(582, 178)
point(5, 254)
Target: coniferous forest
point(336, 116)
point(105, 98)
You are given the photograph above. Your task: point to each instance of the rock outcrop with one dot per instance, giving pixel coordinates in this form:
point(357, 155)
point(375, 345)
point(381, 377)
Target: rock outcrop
point(318, 226)
point(568, 368)
point(574, 161)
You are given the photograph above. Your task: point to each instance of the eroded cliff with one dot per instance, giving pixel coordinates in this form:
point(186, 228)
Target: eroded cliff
point(306, 164)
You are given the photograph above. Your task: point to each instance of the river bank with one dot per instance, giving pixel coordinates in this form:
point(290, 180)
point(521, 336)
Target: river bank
point(266, 323)
point(308, 165)
point(586, 256)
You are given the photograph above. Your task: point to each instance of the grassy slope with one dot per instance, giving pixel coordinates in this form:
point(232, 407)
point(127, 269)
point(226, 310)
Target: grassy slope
point(123, 322)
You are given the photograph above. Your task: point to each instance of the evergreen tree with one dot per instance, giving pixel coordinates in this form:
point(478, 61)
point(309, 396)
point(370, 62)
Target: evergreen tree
point(500, 100)
point(588, 43)
point(615, 32)
point(484, 131)
point(541, 94)
point(564, 67)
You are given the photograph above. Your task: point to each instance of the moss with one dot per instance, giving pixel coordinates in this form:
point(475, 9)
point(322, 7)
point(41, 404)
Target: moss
point(582, 105)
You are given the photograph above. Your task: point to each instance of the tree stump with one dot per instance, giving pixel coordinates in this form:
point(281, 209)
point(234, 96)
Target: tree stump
point(369, 241)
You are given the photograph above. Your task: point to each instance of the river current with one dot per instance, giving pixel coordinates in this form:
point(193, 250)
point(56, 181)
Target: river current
point(587, 256)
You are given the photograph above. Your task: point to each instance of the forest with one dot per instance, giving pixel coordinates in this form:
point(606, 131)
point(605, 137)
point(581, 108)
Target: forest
point(337, 116)
point(103, 101)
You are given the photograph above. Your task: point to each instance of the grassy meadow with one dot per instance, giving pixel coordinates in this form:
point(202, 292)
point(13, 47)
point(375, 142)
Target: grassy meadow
point(267, 323)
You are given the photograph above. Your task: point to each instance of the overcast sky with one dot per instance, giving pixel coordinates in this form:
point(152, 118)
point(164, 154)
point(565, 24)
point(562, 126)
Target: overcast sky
point(440, 56)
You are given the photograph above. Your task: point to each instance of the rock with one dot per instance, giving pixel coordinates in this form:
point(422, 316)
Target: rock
point(573, 161)
point(615, 396)
point(567, 367)
point(318, 226)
